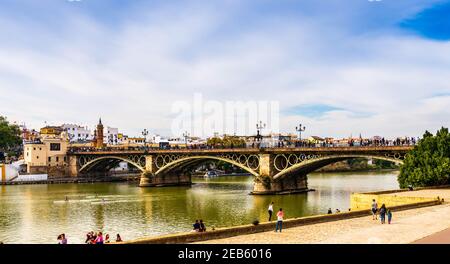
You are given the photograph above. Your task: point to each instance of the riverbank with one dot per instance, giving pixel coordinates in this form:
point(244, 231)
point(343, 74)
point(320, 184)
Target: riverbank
point(409, 226)
point(75, 180)
point(414, 219)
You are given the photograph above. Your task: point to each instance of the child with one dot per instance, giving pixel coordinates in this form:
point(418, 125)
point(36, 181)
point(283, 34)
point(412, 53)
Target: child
point(389, 216)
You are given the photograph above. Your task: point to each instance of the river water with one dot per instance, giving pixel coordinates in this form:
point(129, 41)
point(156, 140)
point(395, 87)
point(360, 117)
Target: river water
point(38, 213)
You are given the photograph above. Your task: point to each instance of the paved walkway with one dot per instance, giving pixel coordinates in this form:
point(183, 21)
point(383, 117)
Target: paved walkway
point(442, 237)
point(407, 227)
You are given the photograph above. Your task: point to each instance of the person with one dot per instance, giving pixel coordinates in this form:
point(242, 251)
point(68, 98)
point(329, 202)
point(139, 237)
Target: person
point(329, 211)
point(63, 239)
point(196, 226)
point(382, 213)
point(279, 224)
point(118, 238)
point(202, 226)
point(99, 239)
point(410, 187)
point(338, 211)
point(88, 238)
point(67, 198)
point(374, 209)
point(107, 238)
point(389, 215)
point(59, 238)
point(270, 211)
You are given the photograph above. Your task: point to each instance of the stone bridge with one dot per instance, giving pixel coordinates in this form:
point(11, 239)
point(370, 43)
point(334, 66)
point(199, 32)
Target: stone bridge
point(276, 170)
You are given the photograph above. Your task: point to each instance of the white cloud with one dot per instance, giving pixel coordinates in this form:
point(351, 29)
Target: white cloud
point(132, 73)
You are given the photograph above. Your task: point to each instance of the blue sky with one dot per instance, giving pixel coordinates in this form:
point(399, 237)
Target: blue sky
point(341, 67)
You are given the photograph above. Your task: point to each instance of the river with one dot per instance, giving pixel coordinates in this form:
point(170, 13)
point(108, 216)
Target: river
point(38, 213)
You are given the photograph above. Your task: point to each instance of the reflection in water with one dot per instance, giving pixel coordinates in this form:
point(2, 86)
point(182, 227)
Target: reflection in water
point(38, 213)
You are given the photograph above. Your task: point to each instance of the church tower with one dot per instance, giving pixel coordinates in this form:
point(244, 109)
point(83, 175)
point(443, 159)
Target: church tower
point(99, 135)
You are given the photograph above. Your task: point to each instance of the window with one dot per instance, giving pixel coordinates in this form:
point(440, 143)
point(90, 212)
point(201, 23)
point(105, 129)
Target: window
point(49, 159)
point(34, 148)
point(65, 159)
point(55, 146)
point(57, 159)
point(37, 157)
point(28, 154)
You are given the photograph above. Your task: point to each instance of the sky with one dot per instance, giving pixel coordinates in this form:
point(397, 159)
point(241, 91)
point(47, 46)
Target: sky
point(337, 67)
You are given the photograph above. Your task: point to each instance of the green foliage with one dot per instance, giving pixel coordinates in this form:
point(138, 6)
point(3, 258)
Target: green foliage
point(226, 141)
point(428, 164)
point(9, 135)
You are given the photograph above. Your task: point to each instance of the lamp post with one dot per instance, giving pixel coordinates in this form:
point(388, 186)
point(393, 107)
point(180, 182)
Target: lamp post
point(259, 127)
point(300, 129)
point(145, 133)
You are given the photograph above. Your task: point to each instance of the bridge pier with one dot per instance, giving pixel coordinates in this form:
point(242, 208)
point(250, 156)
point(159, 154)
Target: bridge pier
point(287, 185)
point(265, 184)
point(149, 179)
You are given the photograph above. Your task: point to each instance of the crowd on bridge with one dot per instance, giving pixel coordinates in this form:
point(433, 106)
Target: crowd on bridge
point(381, 142)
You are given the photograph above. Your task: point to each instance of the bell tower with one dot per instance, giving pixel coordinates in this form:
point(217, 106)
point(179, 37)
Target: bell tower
point(99, 135)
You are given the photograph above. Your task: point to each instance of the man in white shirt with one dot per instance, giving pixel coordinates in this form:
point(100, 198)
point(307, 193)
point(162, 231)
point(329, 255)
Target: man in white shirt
point(270, 210)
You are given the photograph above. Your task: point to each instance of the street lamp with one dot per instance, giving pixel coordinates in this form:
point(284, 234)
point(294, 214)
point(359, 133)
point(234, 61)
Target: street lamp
point(300, 129)
point(259, 127)
point(145, 134)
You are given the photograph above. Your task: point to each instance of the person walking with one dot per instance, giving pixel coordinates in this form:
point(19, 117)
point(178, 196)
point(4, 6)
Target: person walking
point(374, 209)
point(270, 211)
point(383, 213)
point(389, 215)
point(280, 216)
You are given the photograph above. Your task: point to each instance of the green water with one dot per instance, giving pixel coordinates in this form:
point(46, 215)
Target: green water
point(38, 213)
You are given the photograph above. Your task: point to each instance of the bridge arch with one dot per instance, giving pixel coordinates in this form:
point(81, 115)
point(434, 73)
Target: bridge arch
point(193, 160)
point(311, 165)
point(94, 162)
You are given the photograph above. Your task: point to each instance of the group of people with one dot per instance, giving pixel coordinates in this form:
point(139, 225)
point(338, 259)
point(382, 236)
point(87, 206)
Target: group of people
point(280, 217)
point(337, 211)
point(199, 226)
point(383, 211)
point(97, 238)
point(62, 239)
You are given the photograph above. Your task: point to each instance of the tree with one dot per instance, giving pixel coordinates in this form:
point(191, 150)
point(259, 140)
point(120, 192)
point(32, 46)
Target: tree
point(9, 135)
point(428, 164)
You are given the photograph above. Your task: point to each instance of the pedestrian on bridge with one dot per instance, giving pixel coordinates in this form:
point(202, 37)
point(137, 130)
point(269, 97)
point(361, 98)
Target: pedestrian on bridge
point(270, 211)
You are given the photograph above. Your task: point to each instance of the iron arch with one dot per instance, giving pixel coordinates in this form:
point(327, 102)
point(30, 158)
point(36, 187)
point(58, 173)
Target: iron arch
point(190, 160)
point(94, 162)
point(311, 165)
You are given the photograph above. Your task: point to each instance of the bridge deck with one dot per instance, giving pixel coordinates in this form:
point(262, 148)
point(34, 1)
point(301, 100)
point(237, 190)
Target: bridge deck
point(250, 150)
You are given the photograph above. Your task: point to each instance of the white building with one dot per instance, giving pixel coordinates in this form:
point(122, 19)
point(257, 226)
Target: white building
point(111, 135)
point(77, 133)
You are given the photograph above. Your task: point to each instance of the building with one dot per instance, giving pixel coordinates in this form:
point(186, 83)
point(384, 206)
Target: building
point(77, 133)
point(51, 131)
point(44, 155)
point(111, 136)
point(98, 141)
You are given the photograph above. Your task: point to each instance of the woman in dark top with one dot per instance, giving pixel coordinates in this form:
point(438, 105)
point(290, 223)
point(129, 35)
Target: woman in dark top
point(383, 213)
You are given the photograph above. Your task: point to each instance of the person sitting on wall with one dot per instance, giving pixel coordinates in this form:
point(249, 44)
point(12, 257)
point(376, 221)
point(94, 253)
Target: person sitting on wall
point(202, 226)
point(196, 226)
